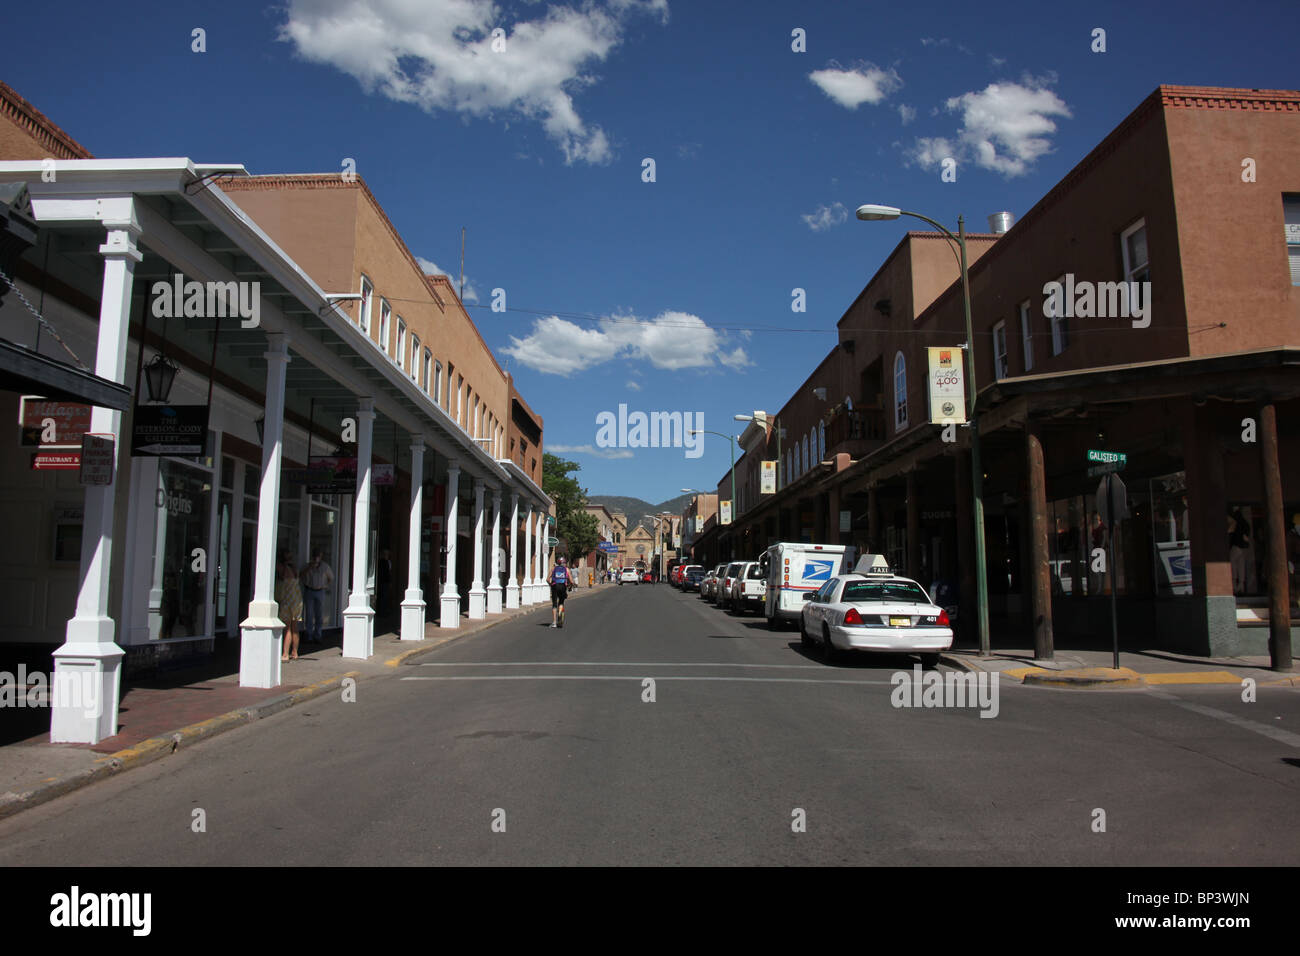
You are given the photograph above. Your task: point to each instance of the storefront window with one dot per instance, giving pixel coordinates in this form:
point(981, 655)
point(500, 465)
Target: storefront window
point(1171, 533)
point(181, 503)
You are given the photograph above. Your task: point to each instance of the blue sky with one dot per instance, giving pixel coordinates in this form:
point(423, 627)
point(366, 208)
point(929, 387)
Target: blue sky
point(667, 295)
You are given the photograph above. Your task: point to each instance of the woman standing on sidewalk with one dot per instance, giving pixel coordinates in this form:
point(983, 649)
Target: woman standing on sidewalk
point(288, 595)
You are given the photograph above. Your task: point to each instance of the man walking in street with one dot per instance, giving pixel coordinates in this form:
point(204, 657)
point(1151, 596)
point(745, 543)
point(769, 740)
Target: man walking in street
point(559, 581)
point(316, 578)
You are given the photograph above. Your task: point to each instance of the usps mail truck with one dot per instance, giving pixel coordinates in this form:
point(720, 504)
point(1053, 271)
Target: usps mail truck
point(793, 569)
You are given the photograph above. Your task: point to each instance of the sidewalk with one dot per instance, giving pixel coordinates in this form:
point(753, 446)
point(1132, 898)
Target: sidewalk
point(160, 713)
point(1093, 668)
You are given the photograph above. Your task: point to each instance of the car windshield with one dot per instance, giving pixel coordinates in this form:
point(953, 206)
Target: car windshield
point(904, 591)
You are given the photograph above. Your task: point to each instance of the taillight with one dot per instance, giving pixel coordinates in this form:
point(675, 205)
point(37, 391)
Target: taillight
point(852, 616)
point(943, 619)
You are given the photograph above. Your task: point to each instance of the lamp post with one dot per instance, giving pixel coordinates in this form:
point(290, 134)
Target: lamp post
point(776, 426)
point(875, 212)
point(732, 440)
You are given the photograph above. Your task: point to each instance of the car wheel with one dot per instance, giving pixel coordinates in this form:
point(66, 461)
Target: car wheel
point(930, 661)
point(829, 652)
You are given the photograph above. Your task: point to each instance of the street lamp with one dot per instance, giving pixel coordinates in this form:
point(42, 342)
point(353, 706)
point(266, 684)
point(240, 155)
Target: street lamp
point(776, 426)
point(871, 213)
point(700, 431)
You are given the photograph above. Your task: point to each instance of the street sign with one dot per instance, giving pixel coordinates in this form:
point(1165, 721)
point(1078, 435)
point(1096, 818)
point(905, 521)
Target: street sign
point(43, 422)
point(552, 541)
point(768, 483)
point(724, 512)
point(97, 455)
point(1108, 457)
point(62, 460)
point(947, 386)
point(1106, 494)
point(169, 430)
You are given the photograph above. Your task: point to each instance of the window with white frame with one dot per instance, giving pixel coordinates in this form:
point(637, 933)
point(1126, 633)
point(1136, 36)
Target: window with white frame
point(385, 317)
point(460, 398)
point(428, 370)
point(1291, 225)
point(1000, 350)
point(415, 357)
point(900, 392)
point(1026, 335)
point(821, 440)
point(367, 301)
point(401, 344)
point(803, 452)
point(437, 383)
point(1133, 243)
point(1060, 325)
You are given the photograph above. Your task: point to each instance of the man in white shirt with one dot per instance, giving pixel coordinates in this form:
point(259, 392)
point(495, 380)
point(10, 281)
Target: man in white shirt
point(316, 578)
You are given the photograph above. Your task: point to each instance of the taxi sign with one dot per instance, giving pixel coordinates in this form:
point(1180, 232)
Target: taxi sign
point(873, 564)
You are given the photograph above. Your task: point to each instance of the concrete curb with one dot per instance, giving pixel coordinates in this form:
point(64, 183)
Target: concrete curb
point(1084, 677)
point(155, 748)
point(1105, 677)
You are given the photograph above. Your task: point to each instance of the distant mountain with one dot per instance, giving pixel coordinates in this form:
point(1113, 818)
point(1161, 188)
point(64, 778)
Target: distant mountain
point(635, 508)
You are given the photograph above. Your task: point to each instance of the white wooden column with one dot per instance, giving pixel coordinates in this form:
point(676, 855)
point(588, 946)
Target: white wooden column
point(261, 631)
point(541, 557)
point(413, 607)
point(450, 610)
point(527, 595)
point(477, 594)
point(494, 583)
point(88, 665)
point(358, 616)
point(512, 584)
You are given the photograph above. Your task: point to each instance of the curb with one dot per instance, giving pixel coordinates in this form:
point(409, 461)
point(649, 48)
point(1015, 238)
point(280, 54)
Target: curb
point(1085, 677)
point(155, 748)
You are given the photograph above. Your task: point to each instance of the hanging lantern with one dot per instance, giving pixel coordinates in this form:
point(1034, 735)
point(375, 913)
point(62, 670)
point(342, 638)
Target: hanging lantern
point(158, 377)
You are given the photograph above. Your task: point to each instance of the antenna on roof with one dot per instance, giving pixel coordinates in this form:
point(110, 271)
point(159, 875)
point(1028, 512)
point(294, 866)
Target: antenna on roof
point(462, 264)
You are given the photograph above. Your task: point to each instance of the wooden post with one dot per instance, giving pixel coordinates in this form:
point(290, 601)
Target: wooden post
point(1040, 582)
point(1279, 596)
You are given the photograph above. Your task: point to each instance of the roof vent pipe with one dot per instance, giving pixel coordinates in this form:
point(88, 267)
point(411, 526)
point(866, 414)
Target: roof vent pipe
point(1000, 222)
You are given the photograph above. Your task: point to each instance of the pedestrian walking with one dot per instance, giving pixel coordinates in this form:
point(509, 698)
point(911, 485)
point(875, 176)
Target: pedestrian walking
point(288, 595)
point(316, 578)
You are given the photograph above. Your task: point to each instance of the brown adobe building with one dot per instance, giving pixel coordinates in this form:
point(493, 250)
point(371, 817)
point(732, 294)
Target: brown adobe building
point(1202, 398)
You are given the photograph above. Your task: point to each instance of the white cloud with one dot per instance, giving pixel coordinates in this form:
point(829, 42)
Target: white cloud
point(907, 113)
point(737, 358)
point(671, 340)
point(431, 268)
point(439, 56)
point(852, 88)
point(1005, 127)
point(590, 450)
point(825, 216)
point(633, 386)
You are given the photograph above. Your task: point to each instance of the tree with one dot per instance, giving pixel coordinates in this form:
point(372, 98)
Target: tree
point(579, 529)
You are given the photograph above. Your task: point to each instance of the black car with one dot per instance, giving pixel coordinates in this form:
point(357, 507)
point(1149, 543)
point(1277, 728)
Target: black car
point(692, 579)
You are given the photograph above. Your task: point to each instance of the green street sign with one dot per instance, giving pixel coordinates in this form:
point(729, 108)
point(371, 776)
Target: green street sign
point(1108, 457)
point(552, 542)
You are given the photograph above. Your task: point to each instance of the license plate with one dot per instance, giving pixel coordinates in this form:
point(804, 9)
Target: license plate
point(900, 622)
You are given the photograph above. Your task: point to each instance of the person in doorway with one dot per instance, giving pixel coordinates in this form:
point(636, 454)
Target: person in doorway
point(316, 579)
point(558, 579)
point(1293, 554)
point(288, 595)
point(1238, 545)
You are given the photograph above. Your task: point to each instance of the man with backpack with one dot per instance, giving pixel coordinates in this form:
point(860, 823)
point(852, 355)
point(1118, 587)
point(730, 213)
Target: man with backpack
point(559, 579)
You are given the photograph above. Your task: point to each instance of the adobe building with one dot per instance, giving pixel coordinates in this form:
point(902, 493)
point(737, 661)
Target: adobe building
point(1197, 193)
point(282, 407)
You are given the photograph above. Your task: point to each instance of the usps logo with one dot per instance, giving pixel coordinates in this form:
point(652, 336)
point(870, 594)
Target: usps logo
point(818, 571)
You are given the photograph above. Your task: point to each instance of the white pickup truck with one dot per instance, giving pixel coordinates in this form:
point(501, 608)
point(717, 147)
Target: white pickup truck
point(749, 588)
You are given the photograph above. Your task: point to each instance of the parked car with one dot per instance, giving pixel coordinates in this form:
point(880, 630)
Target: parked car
point(749, 588)
point(628, 576)
point(649, 578)
point(708, 583)
point(694, 575)
point(874, 610)
point(728, 578)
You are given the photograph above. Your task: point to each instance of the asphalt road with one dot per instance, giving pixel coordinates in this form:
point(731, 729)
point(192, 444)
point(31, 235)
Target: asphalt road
point(527, 745)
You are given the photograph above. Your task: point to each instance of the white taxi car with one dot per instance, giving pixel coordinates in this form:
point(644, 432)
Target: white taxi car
point(875, 610)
